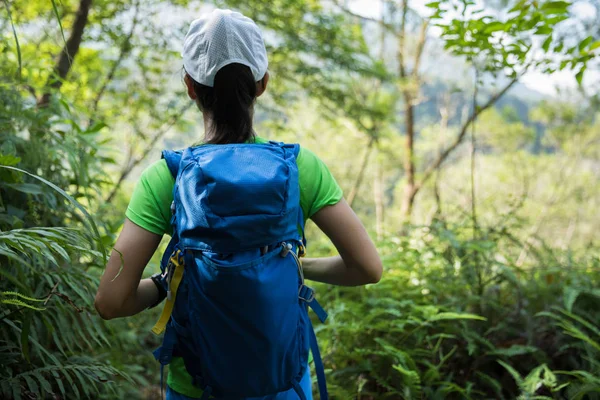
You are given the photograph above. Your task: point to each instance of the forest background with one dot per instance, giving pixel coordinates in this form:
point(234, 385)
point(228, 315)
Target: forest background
point(464, 133)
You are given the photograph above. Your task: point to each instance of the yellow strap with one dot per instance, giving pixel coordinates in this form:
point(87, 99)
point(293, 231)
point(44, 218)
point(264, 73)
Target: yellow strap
point(160, 326)
point(301, 250)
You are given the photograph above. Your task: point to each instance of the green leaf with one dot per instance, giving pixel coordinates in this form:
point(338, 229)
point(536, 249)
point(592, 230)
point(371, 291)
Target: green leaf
point(516, 376)
point(16, 38)
point(582, 321)
point(547, 43)
point(19, 303)
point(82, 382)
point(10, 277)
point(94, 128)
point(585, 42)
point(5, 388)
point(59, 383)
point(62, 31)
point(453, 315)
point(494, 27)
point(29, 188)
point(45, 384)
point(514, 350)
point(74, 202)
point(59, 250)
point(594, 46)
point(16, 389)
point(25, 326)
point(21, 296)
point(491, 382)
point(559, 47)
point(571, 295)
point(543, 30)
point(579, 75)
point(9, 160)
point(31, 385)
point(411, 380)
point(35, 342)
point(555, 6)
point(72, 384)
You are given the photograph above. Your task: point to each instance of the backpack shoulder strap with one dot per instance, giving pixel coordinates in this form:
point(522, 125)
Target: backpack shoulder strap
point(296, 149)
point(173, 159)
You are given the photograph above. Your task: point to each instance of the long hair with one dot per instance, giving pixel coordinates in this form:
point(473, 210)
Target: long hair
point(229, 104)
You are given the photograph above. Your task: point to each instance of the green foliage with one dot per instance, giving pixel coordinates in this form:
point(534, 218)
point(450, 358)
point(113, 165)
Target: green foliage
point(455, 318)
point(504, 308)
point(18, 47)
point(508, 43)
point(52, 343)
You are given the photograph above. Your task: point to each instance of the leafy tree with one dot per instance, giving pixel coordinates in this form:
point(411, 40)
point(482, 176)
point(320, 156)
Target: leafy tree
point(503, 44)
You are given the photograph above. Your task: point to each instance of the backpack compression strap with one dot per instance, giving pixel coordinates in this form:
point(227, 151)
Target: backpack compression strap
point(174, 275)
point(307, 295)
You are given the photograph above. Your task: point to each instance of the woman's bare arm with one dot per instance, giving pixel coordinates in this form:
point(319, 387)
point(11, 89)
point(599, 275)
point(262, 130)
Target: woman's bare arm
point(122, 290)
point(358, 262)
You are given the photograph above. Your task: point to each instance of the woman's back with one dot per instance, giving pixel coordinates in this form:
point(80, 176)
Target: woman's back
point(229, 238)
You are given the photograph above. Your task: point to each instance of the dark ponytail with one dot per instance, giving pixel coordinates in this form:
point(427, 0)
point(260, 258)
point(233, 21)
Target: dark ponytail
point(229, 104)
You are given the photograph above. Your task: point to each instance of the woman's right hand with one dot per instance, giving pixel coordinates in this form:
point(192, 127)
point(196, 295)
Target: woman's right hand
point(358, 263)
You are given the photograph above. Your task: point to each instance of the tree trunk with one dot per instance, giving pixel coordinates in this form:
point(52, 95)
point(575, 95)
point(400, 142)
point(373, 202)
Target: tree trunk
point(378, 197)
point(67, 55)
point(410, 189)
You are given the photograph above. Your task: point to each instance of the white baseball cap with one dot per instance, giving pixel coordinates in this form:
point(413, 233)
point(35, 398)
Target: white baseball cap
point(220, 38)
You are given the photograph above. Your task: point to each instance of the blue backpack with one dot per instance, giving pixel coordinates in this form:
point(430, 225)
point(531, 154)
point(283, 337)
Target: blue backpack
point(237, 305)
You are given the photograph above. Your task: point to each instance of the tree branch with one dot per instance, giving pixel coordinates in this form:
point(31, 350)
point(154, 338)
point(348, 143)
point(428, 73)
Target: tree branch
point(442, 157)
point(69, 51)
point(420, 46)
point(389, 27)
point(123, 52)
point(134, 162)
point(402, 40)
point(361, 171)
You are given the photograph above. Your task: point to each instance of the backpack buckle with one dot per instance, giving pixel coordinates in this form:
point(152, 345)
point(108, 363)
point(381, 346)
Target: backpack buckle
point(301, 250)
point(175, 261)
point(306, 293)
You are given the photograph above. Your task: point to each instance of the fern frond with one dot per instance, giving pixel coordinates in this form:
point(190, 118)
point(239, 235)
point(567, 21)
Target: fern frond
point(17, 302)
point(22, 296)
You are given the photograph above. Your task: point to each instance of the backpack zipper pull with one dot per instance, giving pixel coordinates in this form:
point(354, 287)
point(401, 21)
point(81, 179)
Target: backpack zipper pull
point(286, 247)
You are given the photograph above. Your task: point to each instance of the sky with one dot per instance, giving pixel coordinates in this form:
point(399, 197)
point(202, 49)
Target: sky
point(543, 83)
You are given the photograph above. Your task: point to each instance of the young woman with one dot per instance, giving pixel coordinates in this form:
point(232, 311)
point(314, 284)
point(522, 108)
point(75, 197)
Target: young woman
point(225, 61)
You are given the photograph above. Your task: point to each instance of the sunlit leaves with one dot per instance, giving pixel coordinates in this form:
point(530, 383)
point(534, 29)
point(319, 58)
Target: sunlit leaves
point(511, 43)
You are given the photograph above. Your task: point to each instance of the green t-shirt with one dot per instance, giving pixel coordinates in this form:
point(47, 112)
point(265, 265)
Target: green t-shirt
point(150, 208)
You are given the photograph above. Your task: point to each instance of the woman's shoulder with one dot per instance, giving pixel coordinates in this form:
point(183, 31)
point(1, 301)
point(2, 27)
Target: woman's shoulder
point(308, 161)
point(318, 187)
point(158, 171)
point(150, 202)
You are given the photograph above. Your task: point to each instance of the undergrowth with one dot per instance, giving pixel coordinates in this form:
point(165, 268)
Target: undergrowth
point(455, 317)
